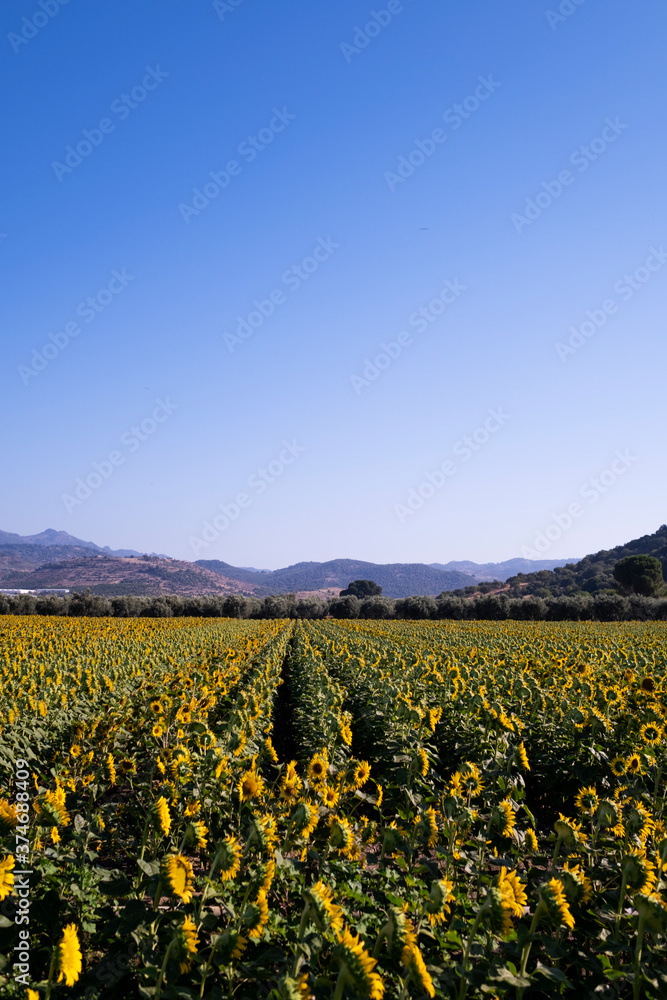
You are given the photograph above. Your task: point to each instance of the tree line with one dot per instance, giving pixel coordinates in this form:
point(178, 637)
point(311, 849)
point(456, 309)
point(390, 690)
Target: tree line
point(606, 606)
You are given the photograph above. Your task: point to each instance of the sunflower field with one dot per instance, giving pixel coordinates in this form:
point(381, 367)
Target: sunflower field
point(225, 808)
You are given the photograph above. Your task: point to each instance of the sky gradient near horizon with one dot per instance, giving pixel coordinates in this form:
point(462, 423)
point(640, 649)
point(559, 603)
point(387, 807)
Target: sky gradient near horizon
point(289, 282)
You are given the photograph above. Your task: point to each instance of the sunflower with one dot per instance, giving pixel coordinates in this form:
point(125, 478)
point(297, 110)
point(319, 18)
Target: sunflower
point(269, 749)
point(513, 891)
point(413, 961)
point(8, 816)
point(251, 785)
point(530, 841)
point(263, 832)
point(424, 763)
point(329, 796)
point(341, 837)
point(157, 708)
point(321, 907)
point(612, 695)
point(177, 873)
point(651, 733)
point(651, 910)
point(497, 910)
point(127, 767)
point(523, 757)
point(256, 916)
point(569, 832)
point(187, 940)
point(587, 800)
point(69, 956)
point(427, 827)
point(633, 764)
point(638, 872)
point(304, 819)
point(346, 733)
point(318, 768)
point(357, 965)
point(197, 833)
point(618, 766)
point(6, 875)
point(577, 886)
point(647, 684)
point(160, 814)
point(290, 784)
point(441, 894)
point(51, 808)
point(228, 859)
point(362, 773)
point(157, 730)
point(554, 902)
point(503, 818)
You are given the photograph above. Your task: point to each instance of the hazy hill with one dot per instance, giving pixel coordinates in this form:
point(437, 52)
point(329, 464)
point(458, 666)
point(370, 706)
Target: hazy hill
point(396, 579)
point(63, 539)
point(594, 572)
point(111, 576)
point(501, 570)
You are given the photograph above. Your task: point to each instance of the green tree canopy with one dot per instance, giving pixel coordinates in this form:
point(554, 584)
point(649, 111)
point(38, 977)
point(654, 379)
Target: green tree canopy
point(361, 589)
point(640, 574)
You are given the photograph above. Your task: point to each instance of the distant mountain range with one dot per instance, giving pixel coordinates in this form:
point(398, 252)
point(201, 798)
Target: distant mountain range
point(56, 559)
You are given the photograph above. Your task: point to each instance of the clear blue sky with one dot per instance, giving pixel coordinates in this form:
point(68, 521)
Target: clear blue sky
point(181, 90)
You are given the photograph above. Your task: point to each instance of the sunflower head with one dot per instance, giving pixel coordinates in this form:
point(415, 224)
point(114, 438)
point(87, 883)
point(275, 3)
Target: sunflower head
point(8, 817)
point(554, 903)
point(618, 766)
point(357, 965)
point(159, 812)
point(651, 733)
point(497, 911)
point(177, 874)
point(341, 837)
point(530, 841)
point(321, 907)
point(69, 956)
point(652, 910)
point(577, 887)
point(569, 832)
point(607, 815)
point(6, 875)
point(256, 916)
point(318, 768)
point(638, 871)
point(227, 861)
point(587, 800)
point(186, 944)
point(441, 895)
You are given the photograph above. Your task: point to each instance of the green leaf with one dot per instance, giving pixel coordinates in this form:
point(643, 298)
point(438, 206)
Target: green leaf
point(552, 974)
point(149, 868)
